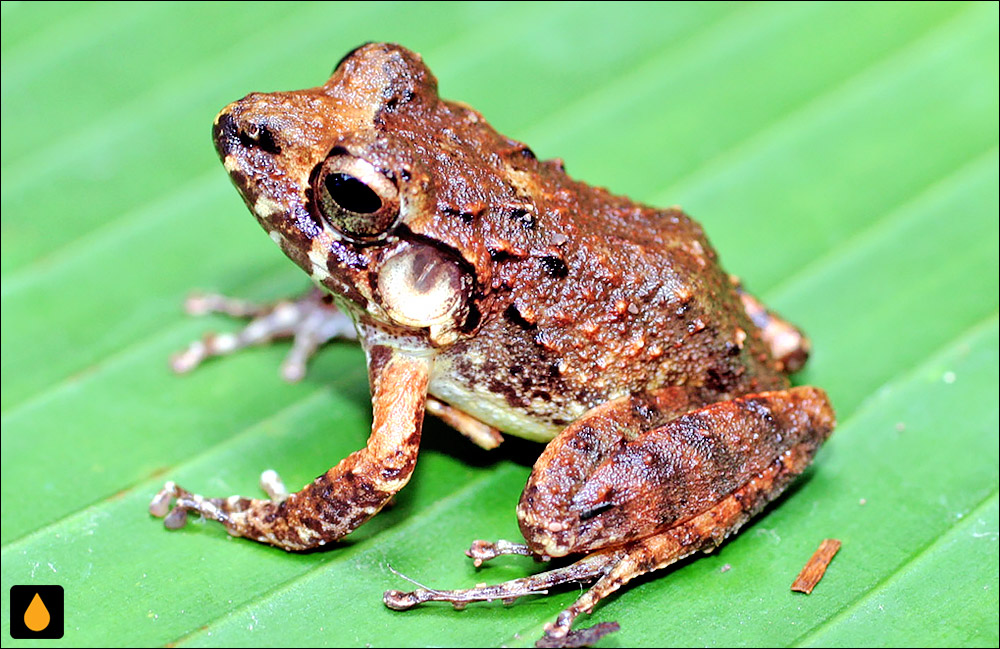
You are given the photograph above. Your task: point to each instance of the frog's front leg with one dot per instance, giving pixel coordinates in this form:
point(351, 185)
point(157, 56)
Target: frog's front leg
point(348, 494)
point(638, 493)
point(310, 321)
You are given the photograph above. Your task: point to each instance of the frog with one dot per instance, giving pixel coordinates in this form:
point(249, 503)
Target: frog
point(489, 288)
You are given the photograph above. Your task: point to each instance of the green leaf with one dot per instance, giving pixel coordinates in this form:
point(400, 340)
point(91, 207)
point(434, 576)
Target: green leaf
point(843, 159)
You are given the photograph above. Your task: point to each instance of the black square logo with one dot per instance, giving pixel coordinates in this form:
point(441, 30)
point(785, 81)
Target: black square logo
point(36, 612)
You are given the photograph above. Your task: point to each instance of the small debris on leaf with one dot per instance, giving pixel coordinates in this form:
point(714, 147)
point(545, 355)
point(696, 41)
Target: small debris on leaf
point(814, 569)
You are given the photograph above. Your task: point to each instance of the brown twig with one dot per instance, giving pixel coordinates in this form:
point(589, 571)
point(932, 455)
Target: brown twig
point(814, 569)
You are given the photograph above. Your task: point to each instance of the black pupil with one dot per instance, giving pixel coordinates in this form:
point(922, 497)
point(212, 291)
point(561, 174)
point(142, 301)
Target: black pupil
point(352, 194)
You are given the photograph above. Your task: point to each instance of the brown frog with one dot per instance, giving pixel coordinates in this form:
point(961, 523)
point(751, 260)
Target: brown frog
point(491, 289)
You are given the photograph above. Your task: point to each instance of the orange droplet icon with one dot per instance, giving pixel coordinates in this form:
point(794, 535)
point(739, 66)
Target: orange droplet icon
point(36, 617)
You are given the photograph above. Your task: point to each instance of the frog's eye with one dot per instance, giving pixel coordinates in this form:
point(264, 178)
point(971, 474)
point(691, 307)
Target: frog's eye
point(355, 197)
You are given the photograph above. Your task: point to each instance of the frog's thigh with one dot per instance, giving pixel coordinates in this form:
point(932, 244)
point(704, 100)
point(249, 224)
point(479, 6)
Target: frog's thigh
point(767, 439)
point(703, 532)
point(482, 435)
point(624, 473)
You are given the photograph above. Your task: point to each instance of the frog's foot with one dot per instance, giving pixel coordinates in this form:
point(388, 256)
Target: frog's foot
point(175, 515)
point(482, 551)
point(585, 570)
point(310, 321)
point(218, 509)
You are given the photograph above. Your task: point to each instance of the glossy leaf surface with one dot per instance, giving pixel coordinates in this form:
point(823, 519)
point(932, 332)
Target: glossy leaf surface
point(842, 158)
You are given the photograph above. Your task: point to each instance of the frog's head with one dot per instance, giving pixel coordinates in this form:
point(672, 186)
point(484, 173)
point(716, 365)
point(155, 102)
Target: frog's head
point(379, 190)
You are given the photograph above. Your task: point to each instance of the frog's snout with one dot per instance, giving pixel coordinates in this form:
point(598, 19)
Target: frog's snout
point(225, 132)
point(235, 132)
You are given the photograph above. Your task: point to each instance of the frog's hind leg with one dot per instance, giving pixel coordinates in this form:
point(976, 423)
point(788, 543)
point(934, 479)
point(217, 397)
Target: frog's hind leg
point(702, 533)
point(789, 346)
point(639, 487)
point(310, 321)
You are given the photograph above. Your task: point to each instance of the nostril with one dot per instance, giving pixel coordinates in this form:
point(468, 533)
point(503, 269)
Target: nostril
point(233, 131)
point(259, 136)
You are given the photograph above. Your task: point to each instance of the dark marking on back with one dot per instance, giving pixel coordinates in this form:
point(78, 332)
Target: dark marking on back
point(524, 217)
point(512, 314)
point(595, 510)
point(555, 266)
point(466, 216)
point(393, 101)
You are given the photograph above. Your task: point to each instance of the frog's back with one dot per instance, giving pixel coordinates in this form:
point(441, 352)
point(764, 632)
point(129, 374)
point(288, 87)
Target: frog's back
point(612, 298)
